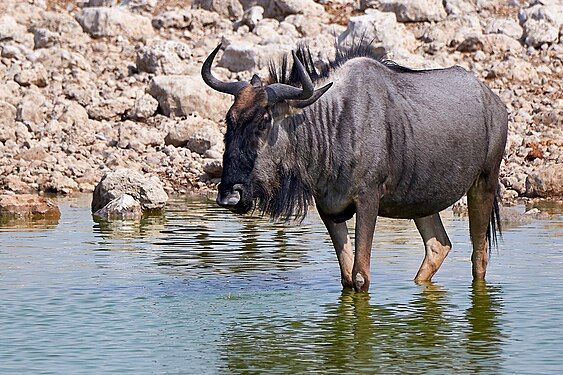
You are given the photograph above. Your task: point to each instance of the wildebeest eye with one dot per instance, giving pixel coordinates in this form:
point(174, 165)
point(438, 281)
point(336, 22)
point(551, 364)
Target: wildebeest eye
point(266, 118)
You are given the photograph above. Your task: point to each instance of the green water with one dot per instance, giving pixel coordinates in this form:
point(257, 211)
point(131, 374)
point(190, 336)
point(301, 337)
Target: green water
point(202, 291)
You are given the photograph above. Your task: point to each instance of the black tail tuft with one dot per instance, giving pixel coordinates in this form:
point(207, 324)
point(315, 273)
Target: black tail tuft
point(494, 225)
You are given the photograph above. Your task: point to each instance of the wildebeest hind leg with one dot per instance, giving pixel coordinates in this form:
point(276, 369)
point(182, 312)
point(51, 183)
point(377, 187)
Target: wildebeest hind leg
point(344, 252)
point(436, 243)
point(480, 199)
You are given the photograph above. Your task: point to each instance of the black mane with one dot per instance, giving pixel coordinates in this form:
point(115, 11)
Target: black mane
point(279, 72)
point(288, 200)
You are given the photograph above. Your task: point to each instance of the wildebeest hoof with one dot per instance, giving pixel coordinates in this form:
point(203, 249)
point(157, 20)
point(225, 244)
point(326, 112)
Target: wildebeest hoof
point(360, 284)
point(347, 283)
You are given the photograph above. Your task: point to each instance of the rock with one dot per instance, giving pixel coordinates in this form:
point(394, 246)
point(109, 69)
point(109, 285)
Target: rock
point(100, 21)
point(365, 4)
point(214, 153)
point(37, 76)
point(145, 106)
point(471, 43)
point(533, 211)
point(184, 95)
point(179, 19)
point(110, 109)
point(44, 38)
point(134, 135)
point(124, 207)
point(544, 182)
point(15, 184)
point(307, 26)
point(460, 208)
point(239, 57)
point(540, 32)
point(514, 69)
point(34, 153)
point(226, 8)
point(204, 138)
point(252, 16)
point(27, 206)
point(280, 9)
point(415, 10)
point(458, 7)
point(99, 3)
point(59, 183)
point(11, 52)
point(148, 191)
point(542, 23)
point(500, 43)
point(195, 133)
point(140, 5)
point(30, 108)
point(381, 28)
point(213, 167)
point(7, 117)
point(505, 26)
point(74, 115)
point(163, 57)
point(10, 29)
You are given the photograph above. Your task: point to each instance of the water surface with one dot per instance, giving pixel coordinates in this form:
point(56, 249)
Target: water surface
point(202, 291)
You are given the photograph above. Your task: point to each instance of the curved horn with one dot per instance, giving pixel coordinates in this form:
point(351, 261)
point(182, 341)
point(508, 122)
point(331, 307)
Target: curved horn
point(232, 88)
point(279, 91)
point(307, 102)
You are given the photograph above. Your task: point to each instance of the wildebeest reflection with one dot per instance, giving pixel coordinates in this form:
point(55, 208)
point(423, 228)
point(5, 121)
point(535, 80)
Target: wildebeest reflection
point(357, 335)
point(375, 139)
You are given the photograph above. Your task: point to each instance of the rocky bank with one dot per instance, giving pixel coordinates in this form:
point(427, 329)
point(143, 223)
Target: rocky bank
point(90, 86)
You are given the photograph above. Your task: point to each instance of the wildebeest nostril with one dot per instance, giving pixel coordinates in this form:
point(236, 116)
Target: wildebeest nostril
point(230, 199)
point(239, 188)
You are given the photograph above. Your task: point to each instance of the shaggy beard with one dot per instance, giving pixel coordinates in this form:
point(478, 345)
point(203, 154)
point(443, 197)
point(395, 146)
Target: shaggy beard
point(288, 200)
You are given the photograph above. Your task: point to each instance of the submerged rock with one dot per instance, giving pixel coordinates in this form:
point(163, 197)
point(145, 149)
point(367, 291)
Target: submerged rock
point(124, 207)
point(27, 206)
point(148, 190)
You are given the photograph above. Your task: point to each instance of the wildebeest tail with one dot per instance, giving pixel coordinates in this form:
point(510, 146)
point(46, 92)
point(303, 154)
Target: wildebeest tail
point(494, 224)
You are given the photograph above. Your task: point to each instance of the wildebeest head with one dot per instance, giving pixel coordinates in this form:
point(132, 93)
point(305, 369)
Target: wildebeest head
point(254, 153)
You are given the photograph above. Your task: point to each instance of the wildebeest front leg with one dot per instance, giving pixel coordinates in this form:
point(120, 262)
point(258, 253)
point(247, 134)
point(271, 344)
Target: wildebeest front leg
point(341, 241)
point(366, 216)
point(436, 243)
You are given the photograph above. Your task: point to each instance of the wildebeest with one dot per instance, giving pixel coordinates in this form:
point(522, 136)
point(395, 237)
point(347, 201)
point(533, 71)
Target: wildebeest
point(376, 139)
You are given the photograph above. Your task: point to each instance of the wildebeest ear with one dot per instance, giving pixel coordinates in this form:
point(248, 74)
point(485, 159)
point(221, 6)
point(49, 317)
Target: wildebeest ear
point(256, 81)
point(307, 102)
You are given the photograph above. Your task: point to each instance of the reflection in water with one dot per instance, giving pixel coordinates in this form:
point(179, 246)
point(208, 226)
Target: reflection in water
point(357, 334)
point(197, 237)
point(148, 226)
point(26, 224)
point(484, 339)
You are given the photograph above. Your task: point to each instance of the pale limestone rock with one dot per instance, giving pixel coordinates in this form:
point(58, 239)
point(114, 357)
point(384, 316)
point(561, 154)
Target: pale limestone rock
point(147, 190)
point(102, 21)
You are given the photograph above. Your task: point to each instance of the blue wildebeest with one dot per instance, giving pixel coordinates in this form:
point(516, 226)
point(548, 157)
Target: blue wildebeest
point(376, 139)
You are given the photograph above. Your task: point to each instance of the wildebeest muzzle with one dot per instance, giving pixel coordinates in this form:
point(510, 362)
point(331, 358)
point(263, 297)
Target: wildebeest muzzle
point(232, 198)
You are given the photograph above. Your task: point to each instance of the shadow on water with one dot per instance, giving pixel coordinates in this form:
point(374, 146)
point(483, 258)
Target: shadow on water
point(358, 334)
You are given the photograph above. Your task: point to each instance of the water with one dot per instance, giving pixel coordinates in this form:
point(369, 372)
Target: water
point(202, 291)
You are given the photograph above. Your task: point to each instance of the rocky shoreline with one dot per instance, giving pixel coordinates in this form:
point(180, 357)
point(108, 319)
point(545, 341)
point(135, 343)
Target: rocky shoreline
point(88, 87)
